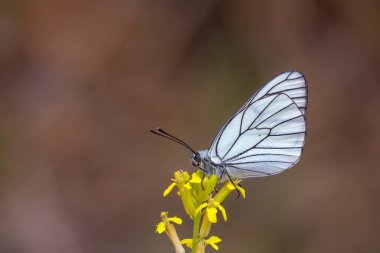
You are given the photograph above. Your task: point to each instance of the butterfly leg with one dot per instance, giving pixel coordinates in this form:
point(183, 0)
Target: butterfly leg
point(203, 176)
point(238, 192)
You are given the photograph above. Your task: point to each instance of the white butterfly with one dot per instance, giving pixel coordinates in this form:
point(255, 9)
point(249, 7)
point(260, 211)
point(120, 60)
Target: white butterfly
point(264, 137)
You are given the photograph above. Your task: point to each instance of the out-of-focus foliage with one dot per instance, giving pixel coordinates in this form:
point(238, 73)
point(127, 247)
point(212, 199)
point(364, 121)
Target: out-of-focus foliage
point(82, 82)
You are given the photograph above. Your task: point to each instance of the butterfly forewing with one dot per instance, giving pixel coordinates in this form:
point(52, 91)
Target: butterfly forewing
point(291, 83)
point(267, 134)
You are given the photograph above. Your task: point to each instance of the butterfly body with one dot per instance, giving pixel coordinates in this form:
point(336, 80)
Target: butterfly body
point(201, 160)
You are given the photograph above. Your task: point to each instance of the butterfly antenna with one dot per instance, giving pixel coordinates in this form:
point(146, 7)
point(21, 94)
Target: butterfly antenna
point(158, 131)
point(172, 136)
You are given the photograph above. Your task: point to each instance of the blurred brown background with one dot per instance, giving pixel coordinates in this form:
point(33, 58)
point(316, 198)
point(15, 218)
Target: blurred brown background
point(82, 82)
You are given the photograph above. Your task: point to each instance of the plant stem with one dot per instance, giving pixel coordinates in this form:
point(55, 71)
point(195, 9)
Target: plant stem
point(172, 234)
point(197, 220)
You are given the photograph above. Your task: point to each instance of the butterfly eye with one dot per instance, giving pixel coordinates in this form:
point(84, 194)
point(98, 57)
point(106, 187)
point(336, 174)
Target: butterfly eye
point(196, 159)
point(195, 164)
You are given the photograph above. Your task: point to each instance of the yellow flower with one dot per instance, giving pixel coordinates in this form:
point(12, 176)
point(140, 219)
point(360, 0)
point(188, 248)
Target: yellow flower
point(209, 216)
point(192, 190)
point(164, 224)
point(212, 241)
point(206, 187)
point(212, 207)
point(187, 242)
point(168, 228)
point(196, 192)
point(182, 181)
point(227, 188)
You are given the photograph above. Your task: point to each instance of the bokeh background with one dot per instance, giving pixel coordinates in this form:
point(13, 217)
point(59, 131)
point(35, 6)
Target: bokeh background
point(82, 82)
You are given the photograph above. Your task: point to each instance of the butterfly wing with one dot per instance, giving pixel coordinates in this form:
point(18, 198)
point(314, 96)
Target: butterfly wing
point(291, 83)
point(266, 135)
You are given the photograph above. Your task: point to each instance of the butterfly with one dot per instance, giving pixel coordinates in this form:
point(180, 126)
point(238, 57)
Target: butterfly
point(264, 137)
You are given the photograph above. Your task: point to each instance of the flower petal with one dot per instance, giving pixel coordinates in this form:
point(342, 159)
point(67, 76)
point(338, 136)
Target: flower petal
point(169, 189)
point(188, 242)
point(200, 208)
point(214, 246)
point(211, 214)
point(160, 227)
point(175, 219)
point(195, 179)
point(213, 240)
point(241, 190)
point(230, 186)
point(185, 175)
point(223, 211)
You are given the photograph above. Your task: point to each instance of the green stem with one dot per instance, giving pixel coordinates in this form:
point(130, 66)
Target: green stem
point(197, 221)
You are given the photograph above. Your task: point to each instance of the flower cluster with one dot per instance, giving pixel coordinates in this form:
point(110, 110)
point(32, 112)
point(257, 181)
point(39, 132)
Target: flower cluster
point(202, 203)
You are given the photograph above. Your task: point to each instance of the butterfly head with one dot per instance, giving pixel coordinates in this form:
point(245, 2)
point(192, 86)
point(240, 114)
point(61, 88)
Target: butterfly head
point(196, 159)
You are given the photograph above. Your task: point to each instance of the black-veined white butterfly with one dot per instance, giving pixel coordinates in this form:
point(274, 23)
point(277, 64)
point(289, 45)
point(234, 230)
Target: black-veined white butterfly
point(264, 137)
